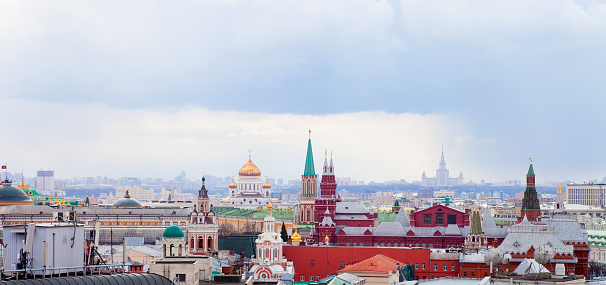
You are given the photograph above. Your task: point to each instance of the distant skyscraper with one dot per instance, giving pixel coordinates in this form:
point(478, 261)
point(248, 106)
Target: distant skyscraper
point(45, 182)
point(442, 178)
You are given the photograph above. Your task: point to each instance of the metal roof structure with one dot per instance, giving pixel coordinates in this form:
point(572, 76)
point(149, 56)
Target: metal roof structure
point(121, 279)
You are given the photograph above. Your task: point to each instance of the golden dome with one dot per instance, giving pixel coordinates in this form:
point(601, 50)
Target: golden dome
point(326, 238)
point(22, 185)
point(249, 169)
point(266, 184)
point(233, 183)
point(295, 237)
point(269, 206)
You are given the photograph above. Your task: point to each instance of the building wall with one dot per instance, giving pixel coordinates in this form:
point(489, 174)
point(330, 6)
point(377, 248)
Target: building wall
point(586, 194)
point(330, 259)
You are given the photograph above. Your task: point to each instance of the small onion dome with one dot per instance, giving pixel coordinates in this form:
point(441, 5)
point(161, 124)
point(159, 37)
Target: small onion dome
point(233, 184)
point(326, 238)
point(173, 232)
point(266, 185)
point(11, 195)
point(249, 169)
point(295, 237)
point(268, 205)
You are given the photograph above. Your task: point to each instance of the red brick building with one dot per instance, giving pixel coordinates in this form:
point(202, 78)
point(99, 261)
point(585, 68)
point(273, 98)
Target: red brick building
point(313, 262)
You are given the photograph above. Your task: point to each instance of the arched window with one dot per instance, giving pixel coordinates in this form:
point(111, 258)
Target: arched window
point(427, 220)
point(180, 250)
point(267, 253)
point(209, 243)
point(164, 250)
point(172, 251)
point(439, 219)
point(200, 243)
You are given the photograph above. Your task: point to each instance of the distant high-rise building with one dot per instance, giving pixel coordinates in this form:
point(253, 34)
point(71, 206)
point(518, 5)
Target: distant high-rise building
point(442, 178)
point(586, 194)
point(45, 182)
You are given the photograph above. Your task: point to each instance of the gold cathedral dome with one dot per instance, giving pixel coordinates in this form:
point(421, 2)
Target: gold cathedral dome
point(233, 183)
point(249, 169)
point(266, 184)
point(296, 237)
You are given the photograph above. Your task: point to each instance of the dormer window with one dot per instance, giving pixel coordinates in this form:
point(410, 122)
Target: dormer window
point(516, 244)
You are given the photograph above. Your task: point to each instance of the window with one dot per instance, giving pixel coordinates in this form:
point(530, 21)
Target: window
point(311, 278)
point(180, 277)
point(312, 262)
point(427, 220)
point(439, 219)
point(445, 267)
point(416, 266)
point(452, 267)
point(465, 274)
point(318, 277)
point(303, 278)
point(275, 254)
point(423, 267)
point(435, 267)
point(473, 274)
point(452, 219)
point(340, 264)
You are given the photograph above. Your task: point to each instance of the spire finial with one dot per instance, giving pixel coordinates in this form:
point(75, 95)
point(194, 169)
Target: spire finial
point(309, 133)
point(249, 152)
point(442, 150)
point(331, 154)
point(202, 170)
point(530, 160)
point(325, 153)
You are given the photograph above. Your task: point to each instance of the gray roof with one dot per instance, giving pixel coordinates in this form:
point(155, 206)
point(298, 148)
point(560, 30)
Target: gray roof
point(402, 218)
point(452, 230)
point(351, 207)
point(357, 231)
point(568, 229)
point(389, 229)
point(525, 235)
point(487, 220)
point(351, 217)
point(327, 221)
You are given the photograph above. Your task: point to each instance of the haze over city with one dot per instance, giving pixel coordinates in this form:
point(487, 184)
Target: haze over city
point(150, 89)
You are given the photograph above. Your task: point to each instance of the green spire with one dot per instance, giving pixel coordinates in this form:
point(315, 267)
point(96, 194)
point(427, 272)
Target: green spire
point(309, 160)
point(530, 169)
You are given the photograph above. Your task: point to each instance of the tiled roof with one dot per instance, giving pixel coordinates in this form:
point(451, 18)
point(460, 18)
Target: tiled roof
point(378, 263)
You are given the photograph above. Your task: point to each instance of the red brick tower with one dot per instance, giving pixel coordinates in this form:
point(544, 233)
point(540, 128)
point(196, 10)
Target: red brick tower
point(530, 204)
point(326, 204)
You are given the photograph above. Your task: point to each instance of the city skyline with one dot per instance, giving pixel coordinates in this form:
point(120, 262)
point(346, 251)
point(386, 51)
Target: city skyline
point(103, 89)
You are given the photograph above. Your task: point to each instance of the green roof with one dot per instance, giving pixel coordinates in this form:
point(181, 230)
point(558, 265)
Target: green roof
point(34, 192)
point(173, 232)
point(387, 217)
point(309, 161)
point(530, 170)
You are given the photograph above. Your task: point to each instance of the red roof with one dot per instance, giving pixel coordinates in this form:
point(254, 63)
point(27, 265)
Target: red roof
point(378, 263)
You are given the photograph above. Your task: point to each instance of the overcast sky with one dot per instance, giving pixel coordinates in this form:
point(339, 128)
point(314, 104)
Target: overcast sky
point(150, 88)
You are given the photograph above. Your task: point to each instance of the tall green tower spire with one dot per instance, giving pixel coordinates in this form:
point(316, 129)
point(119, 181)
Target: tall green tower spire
point(309, 159)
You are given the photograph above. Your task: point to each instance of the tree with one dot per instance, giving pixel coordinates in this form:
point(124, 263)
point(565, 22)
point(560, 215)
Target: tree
point(283, 233)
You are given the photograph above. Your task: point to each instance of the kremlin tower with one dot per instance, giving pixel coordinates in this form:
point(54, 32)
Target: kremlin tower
point(530, 204)
point(326, 205)
point(309, 189)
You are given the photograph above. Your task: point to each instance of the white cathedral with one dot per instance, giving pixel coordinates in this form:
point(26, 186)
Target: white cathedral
point(442, 178)
point(250, 192)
